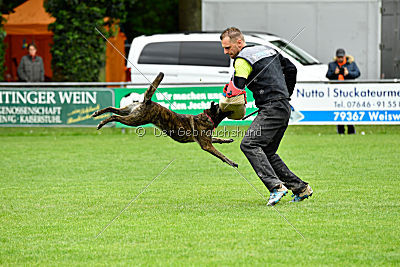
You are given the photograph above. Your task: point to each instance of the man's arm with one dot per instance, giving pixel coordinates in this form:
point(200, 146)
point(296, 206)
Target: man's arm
point(239, 82)
point(290, 72)
point(41, 70)
point(354, 72)
point(242, 72)
point(331, 72)
point(21, 73)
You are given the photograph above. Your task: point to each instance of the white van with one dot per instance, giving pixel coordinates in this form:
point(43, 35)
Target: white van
point(199, 58)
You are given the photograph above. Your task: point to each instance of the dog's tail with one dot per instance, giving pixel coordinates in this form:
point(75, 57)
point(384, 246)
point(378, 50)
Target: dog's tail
point(153, 87)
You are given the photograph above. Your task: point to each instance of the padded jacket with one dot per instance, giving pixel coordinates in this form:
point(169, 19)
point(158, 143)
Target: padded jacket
point(351, 66)
point(31, 70)
point(273, 77)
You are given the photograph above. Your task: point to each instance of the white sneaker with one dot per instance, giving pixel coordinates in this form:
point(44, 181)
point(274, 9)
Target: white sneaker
point(276, 195)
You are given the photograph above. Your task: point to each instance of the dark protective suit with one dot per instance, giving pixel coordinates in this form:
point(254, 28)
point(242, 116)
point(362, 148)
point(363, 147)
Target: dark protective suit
point(269, 80)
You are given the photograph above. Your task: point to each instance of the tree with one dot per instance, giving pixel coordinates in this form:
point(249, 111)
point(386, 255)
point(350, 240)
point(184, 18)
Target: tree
point(190, 15)
point(150, 17)
point(78, 50)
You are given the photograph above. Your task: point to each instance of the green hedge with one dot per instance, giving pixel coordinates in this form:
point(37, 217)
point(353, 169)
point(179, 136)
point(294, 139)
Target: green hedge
point(78, 51)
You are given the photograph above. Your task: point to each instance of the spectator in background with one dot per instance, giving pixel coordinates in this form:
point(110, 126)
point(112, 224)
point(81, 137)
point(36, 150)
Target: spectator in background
point(31, 67)
point(343, 68)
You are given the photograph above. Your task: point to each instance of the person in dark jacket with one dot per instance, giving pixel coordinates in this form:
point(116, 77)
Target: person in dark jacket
point(31, 67)
point(343, 68)
point(270, 77)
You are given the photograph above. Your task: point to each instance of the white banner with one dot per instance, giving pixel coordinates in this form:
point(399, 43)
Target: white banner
point(346, 103)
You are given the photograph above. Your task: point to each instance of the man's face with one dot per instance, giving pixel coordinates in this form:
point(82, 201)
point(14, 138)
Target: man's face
point(340, 59)
point(232, 47)
point(32, 51)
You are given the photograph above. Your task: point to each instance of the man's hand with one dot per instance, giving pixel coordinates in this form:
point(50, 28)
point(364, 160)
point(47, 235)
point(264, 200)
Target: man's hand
point(337, 70)
point(225, 87)
point(346, 72)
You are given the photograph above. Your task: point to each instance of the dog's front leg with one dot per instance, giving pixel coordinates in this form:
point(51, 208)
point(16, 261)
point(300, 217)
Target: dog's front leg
point(221, 140)
point(212, 150)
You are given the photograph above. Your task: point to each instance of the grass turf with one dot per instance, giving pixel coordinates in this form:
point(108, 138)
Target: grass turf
point(60, 187)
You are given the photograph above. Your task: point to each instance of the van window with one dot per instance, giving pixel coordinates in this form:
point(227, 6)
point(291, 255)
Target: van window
point(166, 53)
point(203, 54)
point(184, 53)
point(295, 52)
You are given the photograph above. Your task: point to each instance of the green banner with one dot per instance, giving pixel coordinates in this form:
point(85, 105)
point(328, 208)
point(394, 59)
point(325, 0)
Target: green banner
point(183, 100)
point(53, 107)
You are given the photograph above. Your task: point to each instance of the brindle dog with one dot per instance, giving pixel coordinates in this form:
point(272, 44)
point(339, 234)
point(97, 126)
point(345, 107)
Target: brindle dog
point(180, 127)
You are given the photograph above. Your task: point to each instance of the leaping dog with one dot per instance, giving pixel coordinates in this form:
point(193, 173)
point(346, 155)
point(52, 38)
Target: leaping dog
point(183, 128)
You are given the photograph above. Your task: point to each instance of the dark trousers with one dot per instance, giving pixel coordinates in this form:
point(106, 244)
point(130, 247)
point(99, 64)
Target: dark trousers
point(261, 142)
point(350, 129)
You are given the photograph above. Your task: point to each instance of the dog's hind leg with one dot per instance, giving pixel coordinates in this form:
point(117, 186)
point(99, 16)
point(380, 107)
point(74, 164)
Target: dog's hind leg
point(127, 120)
point(104, 122)
point(111, 119)
point(120, 111)
point(221, 140)
point(153, 87)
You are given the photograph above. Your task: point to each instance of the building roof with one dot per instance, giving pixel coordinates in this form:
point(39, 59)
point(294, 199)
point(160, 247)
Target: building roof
point(28, 18)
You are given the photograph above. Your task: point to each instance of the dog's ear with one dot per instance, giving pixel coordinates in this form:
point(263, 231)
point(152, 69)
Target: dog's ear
point(214, 107)
point(153, 87)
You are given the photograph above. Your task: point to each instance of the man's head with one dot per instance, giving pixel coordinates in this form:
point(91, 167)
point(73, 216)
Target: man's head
point(232, 41)
point(340, 55)
point(32, 49)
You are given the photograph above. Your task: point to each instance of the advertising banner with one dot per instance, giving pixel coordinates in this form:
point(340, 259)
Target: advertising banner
point(183, 100)
point(53, 107)
point(312, 103)
point(346, 103)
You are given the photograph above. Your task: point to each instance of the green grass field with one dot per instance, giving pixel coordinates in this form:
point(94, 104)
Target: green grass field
point(60, 187)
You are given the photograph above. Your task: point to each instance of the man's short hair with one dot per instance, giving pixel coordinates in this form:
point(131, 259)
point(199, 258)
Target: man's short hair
point(233, 34)
point(33, 45)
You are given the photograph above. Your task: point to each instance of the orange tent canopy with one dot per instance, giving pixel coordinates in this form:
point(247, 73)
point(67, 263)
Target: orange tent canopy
point(29, 17)
point(29, 23)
